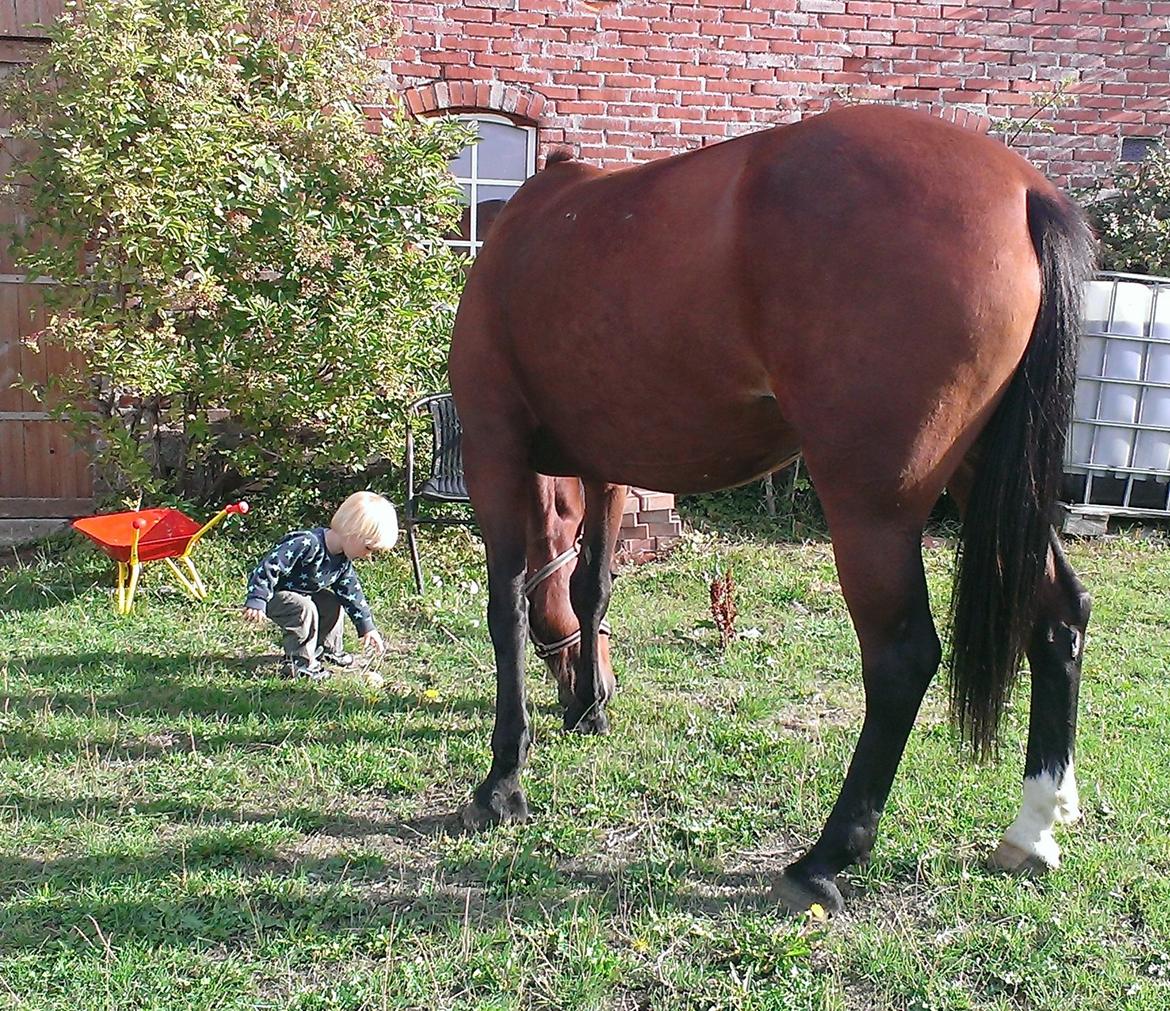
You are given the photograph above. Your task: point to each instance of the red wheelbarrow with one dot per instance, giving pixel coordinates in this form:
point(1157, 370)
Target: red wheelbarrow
point(147, 535)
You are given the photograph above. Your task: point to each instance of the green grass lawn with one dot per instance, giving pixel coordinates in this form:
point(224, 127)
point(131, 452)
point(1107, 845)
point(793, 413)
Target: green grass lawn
point(181, 828)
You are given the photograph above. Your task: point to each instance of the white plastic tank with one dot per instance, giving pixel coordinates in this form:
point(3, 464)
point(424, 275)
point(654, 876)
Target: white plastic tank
point(1120, 432)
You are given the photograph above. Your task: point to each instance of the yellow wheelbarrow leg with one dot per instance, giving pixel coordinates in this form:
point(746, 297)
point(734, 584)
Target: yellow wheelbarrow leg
point(128, 573)
point(135, 569)
point(192, 582)
point(120, 598)
point(194, 590)
point(127, 586)
point(195, 577)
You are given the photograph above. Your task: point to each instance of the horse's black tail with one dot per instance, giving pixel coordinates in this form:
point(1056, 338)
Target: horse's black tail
point(1020, 455)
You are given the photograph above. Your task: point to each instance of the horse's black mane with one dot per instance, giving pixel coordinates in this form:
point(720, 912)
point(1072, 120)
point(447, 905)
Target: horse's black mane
point(560, 154)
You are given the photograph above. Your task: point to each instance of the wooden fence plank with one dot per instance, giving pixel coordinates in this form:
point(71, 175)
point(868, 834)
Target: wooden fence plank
point(9, 25)
point(38, 464)
point(7, 211)
point(10, 397)
point(34, 366)
point(48, 11)
point(12, 468)
point(26, 18)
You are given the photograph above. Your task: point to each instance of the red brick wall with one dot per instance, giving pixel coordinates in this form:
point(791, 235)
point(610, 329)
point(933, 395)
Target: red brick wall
point(623, 81)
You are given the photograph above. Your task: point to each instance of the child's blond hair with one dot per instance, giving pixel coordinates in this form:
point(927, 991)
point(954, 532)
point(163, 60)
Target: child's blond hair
point(369, 516)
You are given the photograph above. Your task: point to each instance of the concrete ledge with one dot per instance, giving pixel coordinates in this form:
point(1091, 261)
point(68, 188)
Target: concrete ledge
point(14, 532)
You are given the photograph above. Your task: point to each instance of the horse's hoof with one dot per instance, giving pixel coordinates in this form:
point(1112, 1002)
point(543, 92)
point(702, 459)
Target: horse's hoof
point(499, 809)
point(592, 721)
point(796, 892)
point(1017, 860)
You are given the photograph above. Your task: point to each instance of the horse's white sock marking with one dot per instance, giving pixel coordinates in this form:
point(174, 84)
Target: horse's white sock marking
point(1049, 798)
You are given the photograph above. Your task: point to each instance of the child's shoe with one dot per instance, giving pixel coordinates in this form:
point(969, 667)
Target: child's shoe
point(299, 667)
point(342, 659)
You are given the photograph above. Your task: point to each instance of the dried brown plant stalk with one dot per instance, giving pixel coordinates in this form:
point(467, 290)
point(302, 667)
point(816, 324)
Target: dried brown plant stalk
point(723, 606)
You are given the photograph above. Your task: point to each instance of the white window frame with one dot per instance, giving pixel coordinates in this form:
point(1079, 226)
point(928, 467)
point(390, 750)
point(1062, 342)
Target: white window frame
point(473, 243)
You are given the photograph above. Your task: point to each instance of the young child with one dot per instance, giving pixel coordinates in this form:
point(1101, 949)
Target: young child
point(305, 581)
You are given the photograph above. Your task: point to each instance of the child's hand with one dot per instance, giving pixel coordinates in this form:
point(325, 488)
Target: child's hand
point(254, 615)
point(372, 642)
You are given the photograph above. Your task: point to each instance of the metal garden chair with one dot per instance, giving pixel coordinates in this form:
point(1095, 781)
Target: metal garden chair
point(445, 483)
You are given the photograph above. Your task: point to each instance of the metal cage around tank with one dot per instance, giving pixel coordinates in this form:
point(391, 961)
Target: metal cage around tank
point(1118, 456)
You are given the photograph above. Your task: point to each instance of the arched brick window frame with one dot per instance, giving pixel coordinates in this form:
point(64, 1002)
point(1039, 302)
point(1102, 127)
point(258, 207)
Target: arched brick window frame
point(470, 96)
point(494, 106)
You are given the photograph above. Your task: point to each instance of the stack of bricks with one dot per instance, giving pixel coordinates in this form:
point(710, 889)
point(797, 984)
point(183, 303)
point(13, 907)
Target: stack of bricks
point(650, 526)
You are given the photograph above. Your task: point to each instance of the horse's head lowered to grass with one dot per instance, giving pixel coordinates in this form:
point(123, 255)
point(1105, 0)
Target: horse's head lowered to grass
point(554, 548)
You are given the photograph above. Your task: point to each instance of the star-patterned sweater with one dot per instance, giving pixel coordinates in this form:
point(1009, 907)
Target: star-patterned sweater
point(300, 562)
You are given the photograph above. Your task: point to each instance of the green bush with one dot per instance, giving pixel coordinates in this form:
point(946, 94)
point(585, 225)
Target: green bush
point(1132, 217)
point(232, 241)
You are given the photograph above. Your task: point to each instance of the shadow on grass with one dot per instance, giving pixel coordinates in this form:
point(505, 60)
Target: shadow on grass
point(301, 819)
point(226, 888)
point(161, 685)
point(160, 688)
point(27, 595)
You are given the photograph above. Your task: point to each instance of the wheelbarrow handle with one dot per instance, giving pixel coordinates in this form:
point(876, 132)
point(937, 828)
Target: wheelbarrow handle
point(138, 524)
point(238, 508)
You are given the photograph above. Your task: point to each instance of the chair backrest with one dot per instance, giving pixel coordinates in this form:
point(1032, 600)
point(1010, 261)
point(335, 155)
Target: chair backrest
point(446, 481)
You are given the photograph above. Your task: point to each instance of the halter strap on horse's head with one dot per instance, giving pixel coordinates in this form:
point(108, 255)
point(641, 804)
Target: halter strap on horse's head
point(546, 649)
point(541, 574)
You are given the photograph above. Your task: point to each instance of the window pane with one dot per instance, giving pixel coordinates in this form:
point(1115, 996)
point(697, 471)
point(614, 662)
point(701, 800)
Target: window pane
point(461, 163)
point(503, 151)
point(486, 212)
point(501, 193)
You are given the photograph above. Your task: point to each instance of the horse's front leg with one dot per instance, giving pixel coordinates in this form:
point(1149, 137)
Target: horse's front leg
point(500, 494)
point(884, 585)
point(590, 589)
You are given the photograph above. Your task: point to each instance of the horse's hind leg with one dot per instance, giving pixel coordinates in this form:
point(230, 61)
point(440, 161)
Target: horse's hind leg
point(590, 589)
point(880, 568)
point(1054, 656)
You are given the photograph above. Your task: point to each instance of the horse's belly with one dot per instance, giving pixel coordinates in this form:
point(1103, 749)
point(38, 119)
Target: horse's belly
point(676, 453)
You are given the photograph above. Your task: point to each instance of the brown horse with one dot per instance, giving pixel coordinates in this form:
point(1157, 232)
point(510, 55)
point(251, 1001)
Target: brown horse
point(894, 296)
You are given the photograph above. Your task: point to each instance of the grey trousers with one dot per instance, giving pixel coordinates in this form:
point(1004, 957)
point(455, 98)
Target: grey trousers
point(307, 621)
